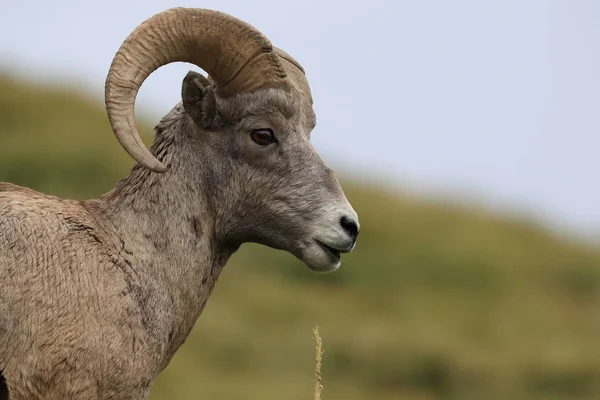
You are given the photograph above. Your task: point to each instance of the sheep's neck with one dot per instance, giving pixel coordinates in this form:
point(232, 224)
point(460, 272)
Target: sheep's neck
point(171, 239)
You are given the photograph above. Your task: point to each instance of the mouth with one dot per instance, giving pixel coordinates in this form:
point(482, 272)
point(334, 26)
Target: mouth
point(337, 254)
point(322, 257)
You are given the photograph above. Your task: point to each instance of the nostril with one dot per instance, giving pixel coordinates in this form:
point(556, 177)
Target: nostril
point(350, 226)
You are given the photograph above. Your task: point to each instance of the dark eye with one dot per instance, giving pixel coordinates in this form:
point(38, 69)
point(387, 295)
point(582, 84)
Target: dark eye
point(263, 137)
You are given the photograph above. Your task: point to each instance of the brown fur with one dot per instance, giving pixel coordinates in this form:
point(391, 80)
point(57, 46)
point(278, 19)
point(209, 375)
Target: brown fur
point(97, 296)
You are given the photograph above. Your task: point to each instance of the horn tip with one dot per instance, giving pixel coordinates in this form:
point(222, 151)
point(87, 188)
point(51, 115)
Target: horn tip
point(156, 166)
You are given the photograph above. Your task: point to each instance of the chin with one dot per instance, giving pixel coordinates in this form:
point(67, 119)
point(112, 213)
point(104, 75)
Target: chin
point(322, 267)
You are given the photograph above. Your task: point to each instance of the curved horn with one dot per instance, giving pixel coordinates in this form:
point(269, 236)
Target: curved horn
point(237, 56)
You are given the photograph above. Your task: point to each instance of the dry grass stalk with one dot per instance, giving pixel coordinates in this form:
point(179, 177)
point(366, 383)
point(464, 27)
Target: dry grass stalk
point(318, 357)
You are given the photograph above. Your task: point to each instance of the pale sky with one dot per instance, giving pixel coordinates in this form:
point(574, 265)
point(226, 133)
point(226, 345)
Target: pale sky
point(499, 100)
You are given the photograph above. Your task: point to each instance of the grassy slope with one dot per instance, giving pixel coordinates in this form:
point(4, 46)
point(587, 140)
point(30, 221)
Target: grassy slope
point(436, 302)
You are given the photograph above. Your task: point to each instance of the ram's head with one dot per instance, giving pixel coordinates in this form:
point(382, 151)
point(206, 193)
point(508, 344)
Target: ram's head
point(253, 116)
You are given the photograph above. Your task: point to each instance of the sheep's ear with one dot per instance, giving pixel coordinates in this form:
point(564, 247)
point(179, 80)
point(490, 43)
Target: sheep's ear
point(198, 98)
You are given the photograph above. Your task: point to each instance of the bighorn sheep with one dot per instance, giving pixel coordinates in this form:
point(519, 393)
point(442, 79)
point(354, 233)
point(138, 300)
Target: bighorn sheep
point(96, 296)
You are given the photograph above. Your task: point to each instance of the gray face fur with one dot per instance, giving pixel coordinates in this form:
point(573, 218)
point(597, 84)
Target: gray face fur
point(281, 194)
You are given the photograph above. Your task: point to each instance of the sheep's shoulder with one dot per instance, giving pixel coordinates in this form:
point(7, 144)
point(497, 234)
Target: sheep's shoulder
point(66, 294)
point(43, 230)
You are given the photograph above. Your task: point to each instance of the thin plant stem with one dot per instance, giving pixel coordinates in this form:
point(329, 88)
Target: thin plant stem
point(318, 387)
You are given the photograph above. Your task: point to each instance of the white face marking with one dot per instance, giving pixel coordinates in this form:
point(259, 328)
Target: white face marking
point(330, 238)
point(330, 230)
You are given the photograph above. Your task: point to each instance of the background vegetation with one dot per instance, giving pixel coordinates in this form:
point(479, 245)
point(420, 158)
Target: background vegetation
point(437, 302)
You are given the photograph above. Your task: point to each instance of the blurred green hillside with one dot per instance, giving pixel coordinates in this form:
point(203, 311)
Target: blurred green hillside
point(437, 301)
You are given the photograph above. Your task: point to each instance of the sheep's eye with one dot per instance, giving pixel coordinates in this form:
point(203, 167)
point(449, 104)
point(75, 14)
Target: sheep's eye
point(263, 137)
